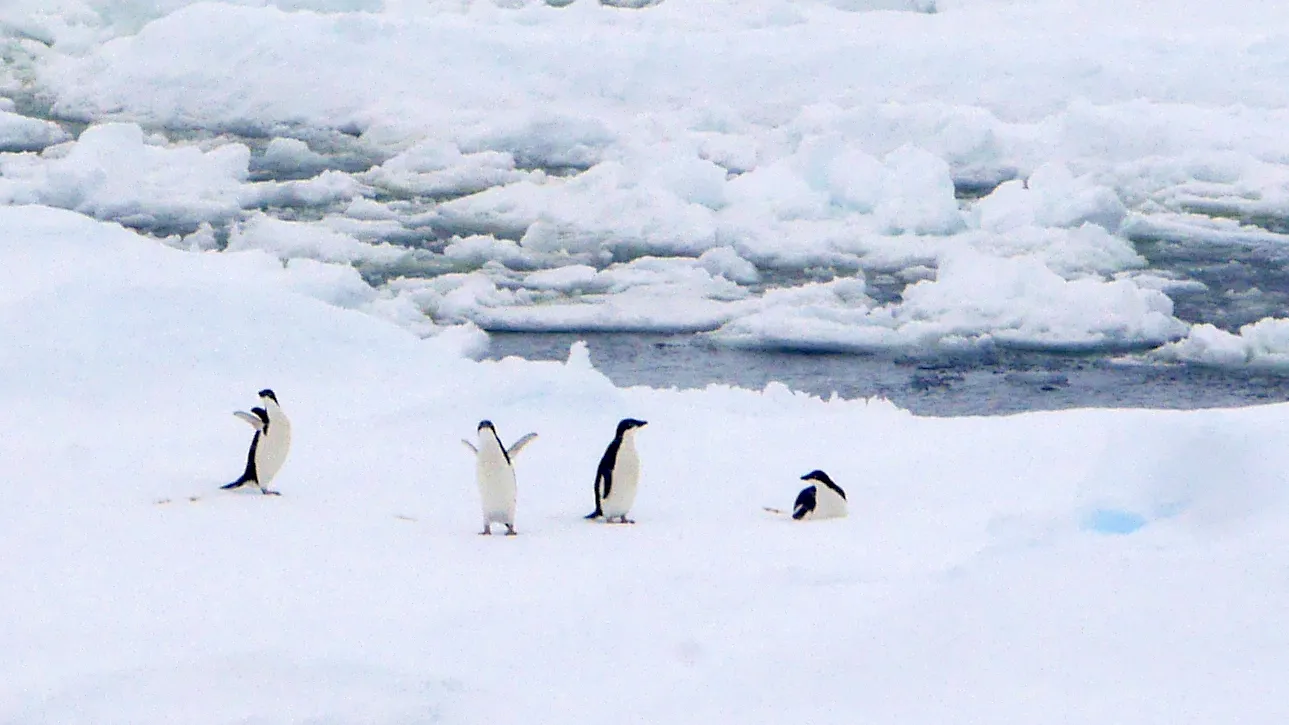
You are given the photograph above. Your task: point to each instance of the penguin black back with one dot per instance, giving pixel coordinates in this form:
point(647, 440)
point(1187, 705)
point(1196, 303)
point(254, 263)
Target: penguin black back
point(604, 472)
point(821, 477)
point(492, 429)
point(250, 475)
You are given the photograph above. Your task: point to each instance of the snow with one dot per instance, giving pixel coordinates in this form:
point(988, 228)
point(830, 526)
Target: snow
point(1027, 568)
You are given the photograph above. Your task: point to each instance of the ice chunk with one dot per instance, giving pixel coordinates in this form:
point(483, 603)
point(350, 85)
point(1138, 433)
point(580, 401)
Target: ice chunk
point(918, 194)
point(292, 240)
point(726, 262)
point(20, 133)
point(113, 172)
point(291, 156)
point(1052, 197)
point(1264, 343)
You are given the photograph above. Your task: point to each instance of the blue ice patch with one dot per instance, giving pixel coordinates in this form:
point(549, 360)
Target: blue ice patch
point(1113, 521)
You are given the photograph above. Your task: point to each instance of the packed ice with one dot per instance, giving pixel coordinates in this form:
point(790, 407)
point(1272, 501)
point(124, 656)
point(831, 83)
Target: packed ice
point(840, 138)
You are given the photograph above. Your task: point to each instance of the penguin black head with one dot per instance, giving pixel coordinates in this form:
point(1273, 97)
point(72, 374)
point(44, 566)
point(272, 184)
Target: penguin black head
point(266, 393)
point(262, 414)
point(486, 424)
point(627, 424)
point(821, 477)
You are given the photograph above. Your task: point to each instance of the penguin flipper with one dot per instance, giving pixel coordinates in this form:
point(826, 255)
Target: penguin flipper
point(249, 475)
point(603, 485)
point(519, 445)
point(804, 504)
point(254, 420)
point(470, 445)
point(600, 493)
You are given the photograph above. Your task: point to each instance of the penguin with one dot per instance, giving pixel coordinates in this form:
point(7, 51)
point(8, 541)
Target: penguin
point(824, 500)
point(269, 447)
point(618, 475)
point(494, 469)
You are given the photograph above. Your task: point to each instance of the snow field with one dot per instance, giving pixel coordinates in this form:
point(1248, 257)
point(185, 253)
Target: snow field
point(969, 583)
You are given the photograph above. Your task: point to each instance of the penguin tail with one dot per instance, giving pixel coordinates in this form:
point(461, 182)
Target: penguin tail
point(597, 513)
point(235, 484)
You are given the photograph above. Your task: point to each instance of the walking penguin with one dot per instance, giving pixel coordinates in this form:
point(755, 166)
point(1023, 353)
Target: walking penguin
point(495, 473)
point(618, 475)
point(270, 445)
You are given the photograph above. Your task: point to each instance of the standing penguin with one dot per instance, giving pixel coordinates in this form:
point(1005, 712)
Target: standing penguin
point(494, 471)
point(270, 445)
point(824, 500)
point(618, 475)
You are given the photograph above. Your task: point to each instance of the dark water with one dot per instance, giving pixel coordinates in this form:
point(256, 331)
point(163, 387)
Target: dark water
point(1243, 282)
point(986, 383)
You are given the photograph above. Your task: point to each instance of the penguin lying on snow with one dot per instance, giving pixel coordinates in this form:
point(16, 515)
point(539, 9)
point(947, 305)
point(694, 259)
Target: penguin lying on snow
point(824, 500)
point(618, 475)
point(269, 446)
point(495, 473)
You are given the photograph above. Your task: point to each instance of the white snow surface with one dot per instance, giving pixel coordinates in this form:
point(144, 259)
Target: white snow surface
point(820, 136)
point(1076, 567)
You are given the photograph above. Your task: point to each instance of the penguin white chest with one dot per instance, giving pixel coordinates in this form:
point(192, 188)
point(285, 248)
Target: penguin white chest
point(828, 504)
point(273, 445)
point(496, 479)
point(626, 479)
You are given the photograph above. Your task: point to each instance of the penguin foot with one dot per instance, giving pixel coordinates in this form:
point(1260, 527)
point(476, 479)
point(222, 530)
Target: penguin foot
point(487, 530)
point(267, 492)
point(510, 530)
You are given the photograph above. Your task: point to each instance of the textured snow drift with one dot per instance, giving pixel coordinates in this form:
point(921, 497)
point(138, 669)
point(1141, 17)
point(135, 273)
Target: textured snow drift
point(986, 573)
